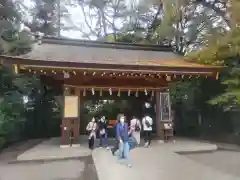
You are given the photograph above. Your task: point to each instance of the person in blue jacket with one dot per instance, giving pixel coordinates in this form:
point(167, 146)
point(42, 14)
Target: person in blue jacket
point(122, 135)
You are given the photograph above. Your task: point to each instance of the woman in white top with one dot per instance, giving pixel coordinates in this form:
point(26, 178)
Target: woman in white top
point(147, 123)
point(135, 127)
point(91, 129)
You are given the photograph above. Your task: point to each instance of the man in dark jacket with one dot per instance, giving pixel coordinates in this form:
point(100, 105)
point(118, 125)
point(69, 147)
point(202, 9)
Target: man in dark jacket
point(102, 125)
point(115, 148)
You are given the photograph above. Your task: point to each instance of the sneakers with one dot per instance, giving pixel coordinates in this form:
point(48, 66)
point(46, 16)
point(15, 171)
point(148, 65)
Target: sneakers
point(112, 150)
point(107, 148)
point(146, 144)
point(129, 165)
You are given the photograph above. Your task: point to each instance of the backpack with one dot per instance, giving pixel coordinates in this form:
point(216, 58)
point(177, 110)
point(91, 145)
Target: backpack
point(137, 126)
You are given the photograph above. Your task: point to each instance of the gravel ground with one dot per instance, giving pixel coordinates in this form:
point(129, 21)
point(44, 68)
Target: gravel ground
point(225, 161)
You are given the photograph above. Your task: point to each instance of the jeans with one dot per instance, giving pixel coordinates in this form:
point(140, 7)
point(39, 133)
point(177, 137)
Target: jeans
point(103, 140)
point(132, 143)
point(123, 151)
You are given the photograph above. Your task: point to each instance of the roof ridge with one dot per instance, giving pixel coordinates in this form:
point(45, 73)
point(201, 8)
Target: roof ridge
point(101, 44)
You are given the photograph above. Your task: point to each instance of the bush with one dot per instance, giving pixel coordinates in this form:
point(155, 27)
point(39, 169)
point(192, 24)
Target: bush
point(2, 142)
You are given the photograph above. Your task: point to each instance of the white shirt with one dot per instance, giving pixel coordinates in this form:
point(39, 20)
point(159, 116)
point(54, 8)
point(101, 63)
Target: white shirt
point(135, 134)
point(145, 127)
point(91, 127)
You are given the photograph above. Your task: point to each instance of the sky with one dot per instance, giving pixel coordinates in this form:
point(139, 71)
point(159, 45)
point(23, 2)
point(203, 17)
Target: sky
point(77, 19)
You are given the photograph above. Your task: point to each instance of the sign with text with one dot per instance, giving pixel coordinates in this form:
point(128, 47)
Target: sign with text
point(71, 108)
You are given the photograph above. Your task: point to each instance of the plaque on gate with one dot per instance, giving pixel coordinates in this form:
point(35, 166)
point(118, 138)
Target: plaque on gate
point(71, 109)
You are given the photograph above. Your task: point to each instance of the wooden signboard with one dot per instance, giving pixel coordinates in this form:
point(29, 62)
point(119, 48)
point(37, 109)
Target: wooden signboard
point(71, 109)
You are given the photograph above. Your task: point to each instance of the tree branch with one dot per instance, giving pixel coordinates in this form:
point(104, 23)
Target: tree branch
point(218, 11)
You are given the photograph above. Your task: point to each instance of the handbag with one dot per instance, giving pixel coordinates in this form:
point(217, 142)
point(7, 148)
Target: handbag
point(147, 123)
point(137, 127)
point(102, 131)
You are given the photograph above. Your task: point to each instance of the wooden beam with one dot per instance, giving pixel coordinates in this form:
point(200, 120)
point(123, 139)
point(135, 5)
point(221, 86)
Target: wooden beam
point(106, 88)
point(165, 69)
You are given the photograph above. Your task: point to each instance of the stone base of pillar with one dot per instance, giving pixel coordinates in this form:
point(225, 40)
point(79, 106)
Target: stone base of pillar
point(65, 146)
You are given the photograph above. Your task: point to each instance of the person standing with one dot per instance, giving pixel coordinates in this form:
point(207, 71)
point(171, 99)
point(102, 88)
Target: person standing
point(102, 126)
point(122, 136)
point(115, 148)
point(135, 127)
point(147, 123)
point(91, 129)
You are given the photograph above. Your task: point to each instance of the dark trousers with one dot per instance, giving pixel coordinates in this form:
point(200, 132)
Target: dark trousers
point(91, 143)
point(103, 140)
point(147, 136)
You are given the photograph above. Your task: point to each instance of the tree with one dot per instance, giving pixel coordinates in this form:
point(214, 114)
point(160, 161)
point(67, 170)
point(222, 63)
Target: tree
point(15, 114)
point(225, 50)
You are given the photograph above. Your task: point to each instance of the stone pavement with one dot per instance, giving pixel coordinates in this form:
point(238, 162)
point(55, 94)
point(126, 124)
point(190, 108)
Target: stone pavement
point(158, 162)
point(56, 170)
point(222, 160)
point(50, 150)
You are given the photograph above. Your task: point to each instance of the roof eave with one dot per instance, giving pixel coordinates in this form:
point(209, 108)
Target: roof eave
point(119, 67)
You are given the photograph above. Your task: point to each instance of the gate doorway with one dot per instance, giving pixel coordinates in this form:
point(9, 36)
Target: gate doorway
point(110, 105)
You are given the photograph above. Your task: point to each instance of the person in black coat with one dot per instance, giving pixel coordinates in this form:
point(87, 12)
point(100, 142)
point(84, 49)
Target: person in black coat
point(103, 136)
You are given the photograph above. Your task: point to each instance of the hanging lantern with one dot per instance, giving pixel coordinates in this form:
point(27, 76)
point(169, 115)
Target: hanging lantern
point(152, 93)
point(100, 92)
point(145, 91)
point(119, 93)
point(129, 92)
point(84, 92)
point(136, 93)
point(93, 92)
point(110, 91)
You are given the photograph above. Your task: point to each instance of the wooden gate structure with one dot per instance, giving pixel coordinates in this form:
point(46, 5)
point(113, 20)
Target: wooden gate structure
point(80, 67)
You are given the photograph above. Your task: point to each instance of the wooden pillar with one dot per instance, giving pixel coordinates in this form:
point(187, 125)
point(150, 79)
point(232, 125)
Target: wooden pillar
point(70, 121)
point(77, 122)
point(164, 124)
point(159, 125)
point(65, 136)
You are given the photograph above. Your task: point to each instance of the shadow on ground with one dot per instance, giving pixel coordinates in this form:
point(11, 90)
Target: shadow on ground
point(89, 172)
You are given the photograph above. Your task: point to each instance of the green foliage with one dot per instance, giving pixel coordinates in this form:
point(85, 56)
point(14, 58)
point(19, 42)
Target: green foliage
point(11, 107)
point(18, 119)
